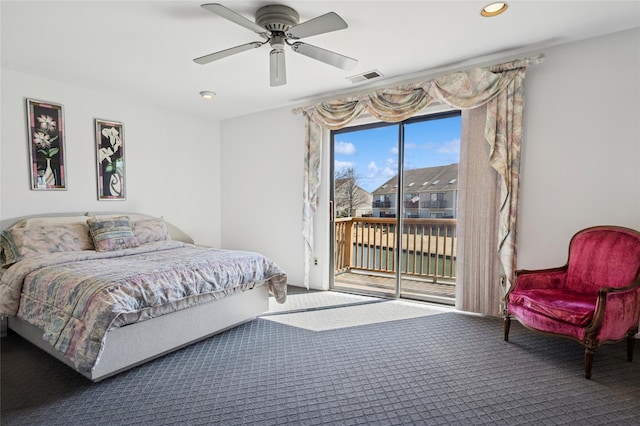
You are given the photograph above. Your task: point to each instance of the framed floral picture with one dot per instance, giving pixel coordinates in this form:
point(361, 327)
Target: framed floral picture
point(110, 160)
point(45, 131)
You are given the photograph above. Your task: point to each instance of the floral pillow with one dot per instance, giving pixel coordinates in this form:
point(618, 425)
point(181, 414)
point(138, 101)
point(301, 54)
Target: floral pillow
point(150, 230)
point(34, 240)
point(112, 234)
point(9, 253)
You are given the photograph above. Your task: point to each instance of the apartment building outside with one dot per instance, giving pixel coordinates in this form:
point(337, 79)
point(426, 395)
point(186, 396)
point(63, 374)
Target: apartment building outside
point(429, 192)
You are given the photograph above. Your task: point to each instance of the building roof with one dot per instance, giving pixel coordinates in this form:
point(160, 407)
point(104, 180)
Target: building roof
point(344, 184)
point(338, 183)
point(427, 179)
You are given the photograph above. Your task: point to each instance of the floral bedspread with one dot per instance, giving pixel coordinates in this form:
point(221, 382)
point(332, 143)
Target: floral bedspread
point(76, 297)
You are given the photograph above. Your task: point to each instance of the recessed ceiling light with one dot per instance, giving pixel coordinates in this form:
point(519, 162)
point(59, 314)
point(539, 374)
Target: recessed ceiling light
point(493, 9)
point(208, 95)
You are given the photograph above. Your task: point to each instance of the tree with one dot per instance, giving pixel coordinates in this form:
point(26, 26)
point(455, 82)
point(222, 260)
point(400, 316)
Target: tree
point(348, 196)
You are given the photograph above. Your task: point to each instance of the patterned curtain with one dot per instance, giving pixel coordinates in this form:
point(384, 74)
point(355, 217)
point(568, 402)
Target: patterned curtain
point(311, 183)
point(500, 87)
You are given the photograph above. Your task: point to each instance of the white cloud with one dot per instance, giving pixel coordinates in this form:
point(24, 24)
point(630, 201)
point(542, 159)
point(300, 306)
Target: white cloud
point(450, 147)
point(376, 176)
point(377, 172)
point(388, 172)
point(344, 148)
point(341, 165)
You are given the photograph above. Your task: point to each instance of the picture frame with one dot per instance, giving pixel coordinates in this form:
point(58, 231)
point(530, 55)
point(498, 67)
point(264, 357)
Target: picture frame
point(46, 139)
point(110, 160)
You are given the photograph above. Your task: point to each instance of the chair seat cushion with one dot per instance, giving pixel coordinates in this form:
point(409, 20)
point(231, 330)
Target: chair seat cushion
point(559, 304)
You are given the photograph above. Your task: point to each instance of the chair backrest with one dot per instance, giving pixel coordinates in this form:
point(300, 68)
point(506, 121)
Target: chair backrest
point(603, 256)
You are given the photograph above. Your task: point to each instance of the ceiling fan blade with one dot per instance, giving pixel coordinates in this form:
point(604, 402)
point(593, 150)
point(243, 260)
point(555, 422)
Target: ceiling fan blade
point(278, 68)
point(326, 56)
point(232, 16)
point(227, 52)
point(320, 25)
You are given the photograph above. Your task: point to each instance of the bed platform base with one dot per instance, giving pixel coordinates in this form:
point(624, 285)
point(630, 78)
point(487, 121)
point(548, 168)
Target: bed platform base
point(129, 346)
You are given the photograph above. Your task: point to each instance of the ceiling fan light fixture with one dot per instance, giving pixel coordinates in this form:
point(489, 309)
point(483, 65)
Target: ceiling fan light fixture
point(207, 95)
point(277, 41)
point(493, 9)
point(278, 71)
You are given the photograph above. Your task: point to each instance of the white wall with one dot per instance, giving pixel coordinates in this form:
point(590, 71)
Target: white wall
point(580, 161)
point(262, 171)
point(172, 160)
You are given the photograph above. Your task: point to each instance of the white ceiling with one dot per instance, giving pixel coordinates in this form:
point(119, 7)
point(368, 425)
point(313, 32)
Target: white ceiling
point(145, 49)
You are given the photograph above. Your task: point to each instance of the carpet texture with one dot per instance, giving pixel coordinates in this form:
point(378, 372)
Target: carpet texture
point(439, 368)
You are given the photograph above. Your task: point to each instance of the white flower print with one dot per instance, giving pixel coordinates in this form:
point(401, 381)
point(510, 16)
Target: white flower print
point(47, 123)
point(42, 140)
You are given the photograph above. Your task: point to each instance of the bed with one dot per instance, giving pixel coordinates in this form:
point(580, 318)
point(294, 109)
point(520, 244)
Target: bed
point(106, 292)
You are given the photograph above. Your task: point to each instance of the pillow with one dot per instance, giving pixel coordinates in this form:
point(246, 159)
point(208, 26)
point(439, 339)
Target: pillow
point(33, 240)
point(133, 217)
point(52, 220)
point(148, 231)
point(9, 253)
point(112, 234)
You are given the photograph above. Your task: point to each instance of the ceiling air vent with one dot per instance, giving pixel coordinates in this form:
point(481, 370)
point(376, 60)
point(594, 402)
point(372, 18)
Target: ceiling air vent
point(365, 76)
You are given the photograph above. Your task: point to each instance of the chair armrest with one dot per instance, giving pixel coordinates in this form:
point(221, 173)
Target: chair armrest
point(617, 312)
point(540, 278)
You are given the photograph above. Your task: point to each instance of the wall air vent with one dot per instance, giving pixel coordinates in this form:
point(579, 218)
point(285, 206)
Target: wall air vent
point(365, 76)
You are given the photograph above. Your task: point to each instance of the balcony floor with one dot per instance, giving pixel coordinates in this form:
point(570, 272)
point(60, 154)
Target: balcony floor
point(412, 288)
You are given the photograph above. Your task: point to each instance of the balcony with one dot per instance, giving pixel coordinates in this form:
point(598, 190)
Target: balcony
point(408, 204)
point(381, 204)
point(434, 204)
point(365, 256)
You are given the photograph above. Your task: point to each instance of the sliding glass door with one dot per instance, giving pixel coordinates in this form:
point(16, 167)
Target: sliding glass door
point(394, 196)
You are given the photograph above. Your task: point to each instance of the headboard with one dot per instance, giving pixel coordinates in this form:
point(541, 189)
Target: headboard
point(175, 232)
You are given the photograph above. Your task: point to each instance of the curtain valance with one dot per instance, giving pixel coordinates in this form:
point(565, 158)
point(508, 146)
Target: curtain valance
point(461, 90)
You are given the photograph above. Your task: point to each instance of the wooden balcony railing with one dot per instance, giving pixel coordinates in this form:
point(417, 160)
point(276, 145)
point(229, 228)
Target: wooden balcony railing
point(369, 244)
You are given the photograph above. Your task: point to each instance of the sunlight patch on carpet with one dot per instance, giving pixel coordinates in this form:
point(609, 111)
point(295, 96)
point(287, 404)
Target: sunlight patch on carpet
point(300, 301)
point(355, 314)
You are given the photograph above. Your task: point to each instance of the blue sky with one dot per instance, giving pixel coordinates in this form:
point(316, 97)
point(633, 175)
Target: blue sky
point(374, 152)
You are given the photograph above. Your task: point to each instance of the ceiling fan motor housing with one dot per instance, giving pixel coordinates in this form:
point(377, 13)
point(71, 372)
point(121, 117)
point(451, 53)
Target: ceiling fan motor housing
point(277, 18)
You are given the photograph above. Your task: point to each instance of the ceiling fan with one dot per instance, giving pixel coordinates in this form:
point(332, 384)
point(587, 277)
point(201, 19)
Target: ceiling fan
point(278, 25)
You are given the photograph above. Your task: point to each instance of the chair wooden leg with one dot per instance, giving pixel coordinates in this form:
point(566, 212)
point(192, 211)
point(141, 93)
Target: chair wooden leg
point(631, 342)
point(588, 363)
point(507, 325)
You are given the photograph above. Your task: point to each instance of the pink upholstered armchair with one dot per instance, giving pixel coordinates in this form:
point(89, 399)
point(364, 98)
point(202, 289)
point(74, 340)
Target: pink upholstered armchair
point(594, 298)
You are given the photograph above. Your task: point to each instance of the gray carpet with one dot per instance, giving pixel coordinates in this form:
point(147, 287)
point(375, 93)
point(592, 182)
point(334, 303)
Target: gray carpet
point(435, 368)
